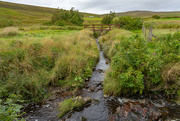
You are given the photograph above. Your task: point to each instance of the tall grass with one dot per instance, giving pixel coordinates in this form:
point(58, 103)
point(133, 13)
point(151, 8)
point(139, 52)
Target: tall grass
point(165, 23)
point(6, 22)
point(9, 31)
point(108, 41)
point(167, 26)
point(29, 64)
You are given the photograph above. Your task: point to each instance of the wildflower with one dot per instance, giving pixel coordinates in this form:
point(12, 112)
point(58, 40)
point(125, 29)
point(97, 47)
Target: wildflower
point(154, 53)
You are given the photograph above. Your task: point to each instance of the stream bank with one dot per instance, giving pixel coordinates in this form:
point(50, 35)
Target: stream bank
point(102, 107)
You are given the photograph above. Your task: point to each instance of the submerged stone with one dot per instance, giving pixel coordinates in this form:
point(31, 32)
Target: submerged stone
point(138, 111)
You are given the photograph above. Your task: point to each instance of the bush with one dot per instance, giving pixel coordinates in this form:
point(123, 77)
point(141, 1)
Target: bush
point(9, 109)
point(127, 65)
point(156, 17)
point(49, 23)
point(145, 67)
point(129, 23)
point(60, 23)
point(60, 17)
point(108, 18)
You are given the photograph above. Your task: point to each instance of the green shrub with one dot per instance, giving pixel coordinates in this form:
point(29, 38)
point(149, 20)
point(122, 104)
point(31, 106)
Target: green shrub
point(156, 17)
point(108, 18)
point(60, 23)
point(129, 23)
point(9, 109)
point(49, 23)
point(127, 64)
point(60, 17)
point(140, 67)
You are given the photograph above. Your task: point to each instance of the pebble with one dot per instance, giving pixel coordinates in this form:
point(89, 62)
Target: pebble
point(106, 96)
point(47, 106)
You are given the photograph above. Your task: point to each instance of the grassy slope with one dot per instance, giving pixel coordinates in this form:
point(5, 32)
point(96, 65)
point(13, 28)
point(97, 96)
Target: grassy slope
point(27, 14)
point(147, 14)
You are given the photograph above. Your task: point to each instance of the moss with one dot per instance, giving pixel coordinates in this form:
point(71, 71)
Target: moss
point(70, 104)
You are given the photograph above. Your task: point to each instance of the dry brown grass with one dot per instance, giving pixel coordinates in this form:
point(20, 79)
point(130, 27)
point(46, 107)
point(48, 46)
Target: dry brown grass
point(9, 31)
point(171, 73)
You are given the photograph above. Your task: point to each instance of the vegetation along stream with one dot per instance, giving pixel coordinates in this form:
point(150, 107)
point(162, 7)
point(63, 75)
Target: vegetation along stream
point(100, 107)
point(52, 69)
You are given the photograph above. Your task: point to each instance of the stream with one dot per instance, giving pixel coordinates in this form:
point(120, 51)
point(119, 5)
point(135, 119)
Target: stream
point(102, 107)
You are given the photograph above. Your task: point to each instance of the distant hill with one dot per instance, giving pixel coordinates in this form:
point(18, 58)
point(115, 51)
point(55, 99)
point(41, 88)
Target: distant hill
point(27, 14)
point(148, 14)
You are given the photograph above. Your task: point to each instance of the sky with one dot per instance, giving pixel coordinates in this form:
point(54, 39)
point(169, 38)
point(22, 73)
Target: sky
point(105, 6)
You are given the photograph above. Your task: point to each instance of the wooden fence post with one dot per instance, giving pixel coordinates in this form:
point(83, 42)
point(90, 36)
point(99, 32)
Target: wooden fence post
point(109, 27)
point(150, 33)
point(93, 27)
point(144, 30)
point(101, 27)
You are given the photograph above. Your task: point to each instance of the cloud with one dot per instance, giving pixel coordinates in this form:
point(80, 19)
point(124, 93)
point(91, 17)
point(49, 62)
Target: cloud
point(104, 6)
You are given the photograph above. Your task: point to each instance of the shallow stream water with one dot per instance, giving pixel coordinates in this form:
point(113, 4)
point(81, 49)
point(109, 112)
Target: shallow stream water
point(104, 108)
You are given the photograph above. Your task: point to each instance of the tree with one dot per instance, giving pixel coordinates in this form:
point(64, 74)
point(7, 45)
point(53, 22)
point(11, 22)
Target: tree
point(108, 18)
point(62, 17)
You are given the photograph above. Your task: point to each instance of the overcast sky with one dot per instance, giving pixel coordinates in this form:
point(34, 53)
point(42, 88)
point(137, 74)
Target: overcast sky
point(104, 6)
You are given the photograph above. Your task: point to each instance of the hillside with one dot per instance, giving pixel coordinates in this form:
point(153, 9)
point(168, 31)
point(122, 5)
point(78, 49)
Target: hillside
point(27, 14)
point(148, 14)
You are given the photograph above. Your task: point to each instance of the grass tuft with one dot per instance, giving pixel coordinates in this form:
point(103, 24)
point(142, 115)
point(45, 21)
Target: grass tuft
point(9, 31)
point(71, 104)
point(113, 37)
